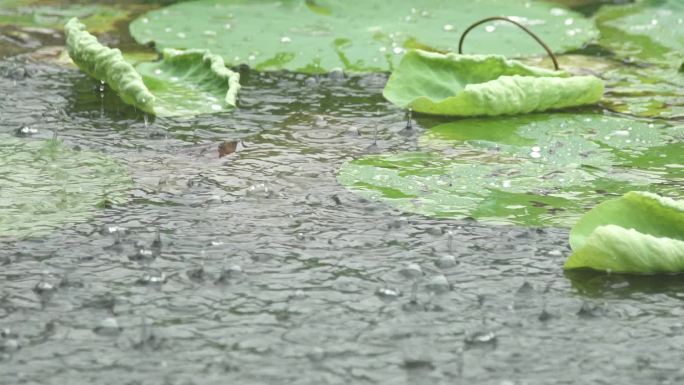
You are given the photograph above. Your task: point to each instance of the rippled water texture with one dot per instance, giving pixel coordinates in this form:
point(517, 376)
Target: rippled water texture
point(257, 267)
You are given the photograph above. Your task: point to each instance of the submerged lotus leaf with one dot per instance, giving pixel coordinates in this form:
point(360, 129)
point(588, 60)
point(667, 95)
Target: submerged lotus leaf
point(649, 30)
point(52, 14)
point(637, 233)
point(475, 85)
point(315, 36)
point(183, 83)
point(47, 185)
point(540, 169)
point(650, 92)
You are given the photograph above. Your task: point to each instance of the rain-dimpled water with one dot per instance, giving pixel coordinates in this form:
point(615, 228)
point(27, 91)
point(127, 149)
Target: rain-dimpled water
point(236, 257)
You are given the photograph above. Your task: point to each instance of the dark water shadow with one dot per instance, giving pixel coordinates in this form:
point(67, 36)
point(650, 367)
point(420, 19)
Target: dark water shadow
point(593, 284)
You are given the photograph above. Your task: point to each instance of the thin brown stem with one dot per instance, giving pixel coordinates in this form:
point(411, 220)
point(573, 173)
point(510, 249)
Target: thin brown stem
point(535, 37)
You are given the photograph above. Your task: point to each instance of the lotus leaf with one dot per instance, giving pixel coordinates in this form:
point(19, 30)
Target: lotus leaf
point(183, 83)
point(475, 85)
point(649, 30)
point(315, 36)
point(637, 233)
point(540, 169)
point(34, 13)
point(47, 185)
point(651, 92)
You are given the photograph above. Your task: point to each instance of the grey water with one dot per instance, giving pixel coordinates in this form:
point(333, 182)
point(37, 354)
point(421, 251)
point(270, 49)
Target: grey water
point(239, 259)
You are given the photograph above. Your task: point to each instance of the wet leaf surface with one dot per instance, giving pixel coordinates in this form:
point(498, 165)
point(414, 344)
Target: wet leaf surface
point(319, 36)
point(540, 169)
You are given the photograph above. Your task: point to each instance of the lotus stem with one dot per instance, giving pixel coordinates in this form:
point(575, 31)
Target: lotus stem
point(534, 36)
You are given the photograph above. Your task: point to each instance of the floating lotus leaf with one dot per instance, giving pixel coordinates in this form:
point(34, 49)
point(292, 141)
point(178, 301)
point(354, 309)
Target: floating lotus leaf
point(638, 233)
point(476, 85)
point(360, 36)
point(649, 30)
point(183, 83)
point(650, 92)
point(34, 13)
point(540, 169)
point(47, 185)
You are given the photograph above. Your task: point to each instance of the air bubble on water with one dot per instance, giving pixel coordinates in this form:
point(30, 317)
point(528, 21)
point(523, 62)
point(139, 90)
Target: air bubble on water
point(569, 21)
point(145, 20)
point(397, 50)
point(506, 184)
point(285, 40)
point(490, 28)
point(448, 27)
point(215, 107)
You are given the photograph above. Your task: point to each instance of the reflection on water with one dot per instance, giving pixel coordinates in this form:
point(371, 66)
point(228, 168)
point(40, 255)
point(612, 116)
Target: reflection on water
point(255, 266)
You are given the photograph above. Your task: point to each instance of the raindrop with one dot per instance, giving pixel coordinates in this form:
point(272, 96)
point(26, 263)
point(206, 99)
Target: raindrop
point(409, 122)
point(231, 273)
point(446, 261)
point(412, 270)
point(448, 27)
point(490, 28)
point(24, 131)
point(285, 40)
point(316, 354)
point(481, 338)
point(197, 274)
point(544, 316)
point(387, 293)
point(152, 279)
point(10, 345)
point(146, 120)
point(108, 327)
point(438, 284)
point(397, 50)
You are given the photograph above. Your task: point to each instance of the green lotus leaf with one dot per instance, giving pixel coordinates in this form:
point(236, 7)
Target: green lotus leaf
point(476, 85)
point(640, 232)
point(649, 30)
point(47, 185)
point(650, 92)
point(36, 13)
point(538, 169)
point(315, 36)
point(183, 83)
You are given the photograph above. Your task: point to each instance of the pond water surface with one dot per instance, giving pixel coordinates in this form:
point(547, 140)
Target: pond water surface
point(259, 268)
